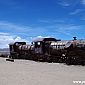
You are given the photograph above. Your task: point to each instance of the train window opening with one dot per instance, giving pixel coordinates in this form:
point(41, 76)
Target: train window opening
point(58, 46)
point(38, 43)
point(17, 44)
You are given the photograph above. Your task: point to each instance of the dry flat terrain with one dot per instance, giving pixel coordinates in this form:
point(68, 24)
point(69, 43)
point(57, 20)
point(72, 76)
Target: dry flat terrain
point(25, 72)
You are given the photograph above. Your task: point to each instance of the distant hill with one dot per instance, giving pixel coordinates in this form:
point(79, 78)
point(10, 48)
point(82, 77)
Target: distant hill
point(4, 51)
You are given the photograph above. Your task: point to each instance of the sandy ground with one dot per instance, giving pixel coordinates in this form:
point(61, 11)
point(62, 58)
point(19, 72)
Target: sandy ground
point(25, 72)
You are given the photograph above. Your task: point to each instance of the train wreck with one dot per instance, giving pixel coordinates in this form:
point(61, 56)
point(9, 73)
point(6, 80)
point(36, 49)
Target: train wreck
point(50, 50)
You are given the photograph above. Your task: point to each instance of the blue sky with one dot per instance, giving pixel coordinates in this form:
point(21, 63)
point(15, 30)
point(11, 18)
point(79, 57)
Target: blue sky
point(23, 20)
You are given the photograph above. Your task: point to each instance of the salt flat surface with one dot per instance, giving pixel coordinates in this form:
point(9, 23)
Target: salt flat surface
point(25, 72)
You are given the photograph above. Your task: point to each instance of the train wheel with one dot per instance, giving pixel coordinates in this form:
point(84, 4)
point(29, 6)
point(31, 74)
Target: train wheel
point(68, 61)
point(49, 59)
point(82, 63)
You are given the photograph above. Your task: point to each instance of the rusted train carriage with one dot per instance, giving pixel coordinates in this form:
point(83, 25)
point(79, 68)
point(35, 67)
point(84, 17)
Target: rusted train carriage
point(50, 50)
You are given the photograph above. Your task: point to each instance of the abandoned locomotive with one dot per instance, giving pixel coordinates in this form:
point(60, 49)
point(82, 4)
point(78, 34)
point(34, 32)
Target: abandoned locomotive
point(50, 50)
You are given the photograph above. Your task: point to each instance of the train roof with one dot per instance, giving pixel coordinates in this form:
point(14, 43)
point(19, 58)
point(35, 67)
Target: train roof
point(45, 39)
point(16, 42)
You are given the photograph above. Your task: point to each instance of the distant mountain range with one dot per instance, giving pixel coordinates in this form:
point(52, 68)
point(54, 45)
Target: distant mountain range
point(4, 51)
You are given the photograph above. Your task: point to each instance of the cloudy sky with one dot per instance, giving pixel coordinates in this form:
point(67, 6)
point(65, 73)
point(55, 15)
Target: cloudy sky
point(23, 20)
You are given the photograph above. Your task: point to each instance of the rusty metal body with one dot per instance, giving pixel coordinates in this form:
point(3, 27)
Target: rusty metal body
point(50, 50)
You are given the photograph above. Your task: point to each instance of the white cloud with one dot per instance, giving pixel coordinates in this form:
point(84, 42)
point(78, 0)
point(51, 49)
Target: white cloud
point(77, 11)
point(50, 21)
point(63, 3)
point(68, 30)
point(68, 3)
point(21, 30)
point(11, 26)
point(2, 33)
point(40, 37)
point(14, 29)
point(6, 38)
point(64, 26)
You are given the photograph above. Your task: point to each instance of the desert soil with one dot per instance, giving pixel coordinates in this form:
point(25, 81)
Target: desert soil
point(26, 72)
